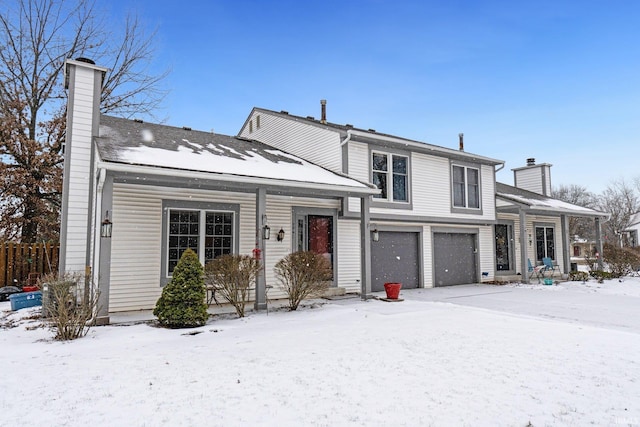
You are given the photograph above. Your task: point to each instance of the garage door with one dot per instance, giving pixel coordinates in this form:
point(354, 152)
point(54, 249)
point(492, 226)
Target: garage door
point(395, 258)
point(454, 259)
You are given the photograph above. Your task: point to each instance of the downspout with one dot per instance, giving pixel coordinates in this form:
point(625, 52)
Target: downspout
point(96, 241)
point(348, 138)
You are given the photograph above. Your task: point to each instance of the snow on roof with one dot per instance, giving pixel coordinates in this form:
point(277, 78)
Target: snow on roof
point(540, 202)
point(146, 144)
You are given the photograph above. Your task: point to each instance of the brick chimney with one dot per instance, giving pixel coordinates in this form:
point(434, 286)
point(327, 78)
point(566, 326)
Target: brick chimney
point(534, 177)
point(83, 79)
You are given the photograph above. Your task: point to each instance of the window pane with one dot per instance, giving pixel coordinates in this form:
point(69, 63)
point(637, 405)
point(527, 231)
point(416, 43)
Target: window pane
point(474, 196)
point(472, 176)
point(380, 181)
point(219, 235)
point(183, 235)
point(379, 162)
point(502, 236)
point(540, 246)
point(551, 253)
point(458, 174)
point(400, 165)
point(400, 188)
point(458, 195)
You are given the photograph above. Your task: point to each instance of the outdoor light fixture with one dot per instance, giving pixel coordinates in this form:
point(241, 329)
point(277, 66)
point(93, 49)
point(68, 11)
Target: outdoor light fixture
point(266, 232)
point(376, 235)
point(280, 237)
point(105, 228)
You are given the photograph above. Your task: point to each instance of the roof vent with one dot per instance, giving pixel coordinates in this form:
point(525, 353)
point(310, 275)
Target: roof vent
point(86, 60)
point(372, 130)
point(138, 120)
point(284, 112)
point(186, 128)
point(531, 161)
point(349, 125)
point(311, 118)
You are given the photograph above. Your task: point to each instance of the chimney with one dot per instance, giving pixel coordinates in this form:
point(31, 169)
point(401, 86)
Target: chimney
point(461, 138)
point(323, 111)
point(83, 79)
point(533, 177)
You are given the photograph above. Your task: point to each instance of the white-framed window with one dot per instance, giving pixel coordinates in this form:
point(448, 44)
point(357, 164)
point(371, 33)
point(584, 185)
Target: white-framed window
point(390, 173)
point(465, 182)
point(545, 242)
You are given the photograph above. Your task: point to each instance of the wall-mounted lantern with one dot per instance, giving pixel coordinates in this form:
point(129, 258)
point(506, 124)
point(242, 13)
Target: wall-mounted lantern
point(106, 226)
point(266, 232)
point(280, 236)
point(375, 235)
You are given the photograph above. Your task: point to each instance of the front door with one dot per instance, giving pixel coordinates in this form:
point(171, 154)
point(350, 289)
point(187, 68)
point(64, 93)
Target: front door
point(315, 233)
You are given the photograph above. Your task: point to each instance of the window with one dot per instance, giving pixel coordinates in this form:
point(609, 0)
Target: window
point(503, 236)
point(576, 250)
point(208, 233)
point(390, 174)
point(466, 187)
point(545, 246)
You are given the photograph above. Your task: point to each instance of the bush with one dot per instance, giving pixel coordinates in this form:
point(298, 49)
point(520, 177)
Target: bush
point(621, 261)
point(70, 302)
point(182, 303)
point(578, 276)
point(600, 275)
point(232, 276)
point(303, 275)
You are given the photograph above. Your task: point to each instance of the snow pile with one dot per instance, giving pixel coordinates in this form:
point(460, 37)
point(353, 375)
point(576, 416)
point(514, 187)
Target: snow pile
point(347, 363)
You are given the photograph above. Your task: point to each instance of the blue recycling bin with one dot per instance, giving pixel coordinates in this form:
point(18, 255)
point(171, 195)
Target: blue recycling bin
point(25, 299)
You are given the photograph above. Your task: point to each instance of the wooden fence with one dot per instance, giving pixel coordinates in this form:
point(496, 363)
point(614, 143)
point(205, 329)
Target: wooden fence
point(26, 262)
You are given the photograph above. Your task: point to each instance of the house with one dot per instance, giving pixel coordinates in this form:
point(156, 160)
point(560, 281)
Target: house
point(440, 218)
point(581, 250)
point(381, 208)
point(630, 234)
point(159, 190)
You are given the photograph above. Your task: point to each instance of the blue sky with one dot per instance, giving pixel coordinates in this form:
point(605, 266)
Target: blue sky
point(554, 80)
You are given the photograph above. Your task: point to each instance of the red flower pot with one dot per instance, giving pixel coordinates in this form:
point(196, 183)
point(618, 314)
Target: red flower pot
point(392, 290)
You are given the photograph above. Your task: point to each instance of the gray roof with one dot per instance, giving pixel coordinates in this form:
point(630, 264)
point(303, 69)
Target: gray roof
point(152, 146)
point(372, 136)
point(540, 203)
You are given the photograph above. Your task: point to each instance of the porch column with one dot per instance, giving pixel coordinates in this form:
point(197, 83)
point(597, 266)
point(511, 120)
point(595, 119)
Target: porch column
point(524, 267)
point(566, 259)
point(104, 262)
point(599, 243)
point(261, 218)
point(365, 247)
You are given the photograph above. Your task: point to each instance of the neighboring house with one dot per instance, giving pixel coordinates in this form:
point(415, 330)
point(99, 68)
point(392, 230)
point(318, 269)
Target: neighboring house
point(527, 214)
point(165, 189)
point(630, 235)
point(581, 248)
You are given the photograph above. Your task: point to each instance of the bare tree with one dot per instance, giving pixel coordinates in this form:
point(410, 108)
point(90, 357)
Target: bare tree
point(621, 200)
point(36, 36)
point(580, 196)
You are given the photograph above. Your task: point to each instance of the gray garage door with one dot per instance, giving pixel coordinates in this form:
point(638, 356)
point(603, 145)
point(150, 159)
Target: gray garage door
point(454, 259)
point(395, 258)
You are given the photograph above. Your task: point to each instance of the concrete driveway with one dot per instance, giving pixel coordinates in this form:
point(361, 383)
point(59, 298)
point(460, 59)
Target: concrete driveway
point(574, 304)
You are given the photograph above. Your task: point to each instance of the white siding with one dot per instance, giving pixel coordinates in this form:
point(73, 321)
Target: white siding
point(137, 238)
point(430, 186)
point(312, 143)
point(536, 178)
point(349, 254)
point(78, 170)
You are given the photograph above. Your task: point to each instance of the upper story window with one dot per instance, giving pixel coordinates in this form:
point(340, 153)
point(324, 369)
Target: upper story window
point(466, 187)
point(391, 175)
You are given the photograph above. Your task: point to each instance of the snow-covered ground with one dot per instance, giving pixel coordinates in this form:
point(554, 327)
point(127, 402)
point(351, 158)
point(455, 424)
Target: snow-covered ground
point(457, 356)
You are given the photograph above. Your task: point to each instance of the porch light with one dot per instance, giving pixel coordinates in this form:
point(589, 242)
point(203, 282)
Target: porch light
point(280, 236)
point(105, 227)
point(376, 235)
point(266, 232)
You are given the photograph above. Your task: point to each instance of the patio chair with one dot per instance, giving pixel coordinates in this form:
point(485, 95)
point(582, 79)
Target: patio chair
point(537, 271)
point(549, 265)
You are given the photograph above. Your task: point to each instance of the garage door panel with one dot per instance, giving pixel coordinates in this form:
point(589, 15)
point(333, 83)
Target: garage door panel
point(395, 258)
point(454, 259)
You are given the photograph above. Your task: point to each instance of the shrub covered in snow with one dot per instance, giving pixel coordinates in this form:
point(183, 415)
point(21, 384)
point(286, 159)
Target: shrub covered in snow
point(303, 274)
point(233, 276)
point(182, 303)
